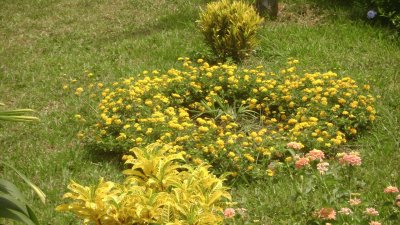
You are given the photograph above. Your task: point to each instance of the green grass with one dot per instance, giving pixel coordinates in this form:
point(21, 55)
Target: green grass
point(45, 43)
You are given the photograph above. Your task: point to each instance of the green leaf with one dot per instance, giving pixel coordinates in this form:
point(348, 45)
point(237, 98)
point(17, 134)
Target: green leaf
point(18, 118)
point(32, 215)
point(39, 192)
point(16, 112)
point(9, 188)
point(16, 215)
point(9, 202)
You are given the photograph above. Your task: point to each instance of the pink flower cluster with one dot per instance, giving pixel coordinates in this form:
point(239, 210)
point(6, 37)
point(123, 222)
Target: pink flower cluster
point(301, 162)
point(312, 155)
point(391, 189)
point(229, 212)
point(354, 201)
point(351, 159)
point(327, 214)
point(374, 223)
point(316, 154)
point(295, 145)
point(322, 167)
point(345, 211)
point(371, 212)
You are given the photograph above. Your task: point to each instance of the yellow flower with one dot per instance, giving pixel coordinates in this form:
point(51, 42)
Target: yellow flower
point(292, 121)
point(253, 134)
point(203, 129)
point(122, 136)
point(220, 143)
point(270, 173)
point(80, 135)
point(249, 157)
point(258, 140)
point(149, 130)
point(342, 100)
point(139, 140)
point(78, 91)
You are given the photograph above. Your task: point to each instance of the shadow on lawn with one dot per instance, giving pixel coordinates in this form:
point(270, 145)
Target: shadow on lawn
point(98, 156)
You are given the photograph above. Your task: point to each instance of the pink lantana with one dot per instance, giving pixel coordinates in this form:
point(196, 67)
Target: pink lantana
point(371, 212)
point(374, 223)
point(322, 167)
point(302, 162)
point(345, 211)
point(327, 214)
point(295, 145)
point(351, 159)
point(354, 201)
point(229, 212)
point(391, 189)
point(316, 154)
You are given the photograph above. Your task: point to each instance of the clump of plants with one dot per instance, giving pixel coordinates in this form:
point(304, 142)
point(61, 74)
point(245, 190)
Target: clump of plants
point(230, 28)
point(159, 188)
point(13, 205)
point(236, 119)
point(387, 9)
point(344, 201)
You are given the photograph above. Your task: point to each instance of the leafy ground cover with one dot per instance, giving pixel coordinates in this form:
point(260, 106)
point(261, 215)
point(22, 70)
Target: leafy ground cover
point(41, 49)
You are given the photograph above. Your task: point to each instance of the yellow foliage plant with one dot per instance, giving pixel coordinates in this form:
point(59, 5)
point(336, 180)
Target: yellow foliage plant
point(158, 189)
point(230, 28)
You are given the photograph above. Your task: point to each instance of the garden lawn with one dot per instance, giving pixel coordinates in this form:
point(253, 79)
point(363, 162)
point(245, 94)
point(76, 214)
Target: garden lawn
point(45, 44)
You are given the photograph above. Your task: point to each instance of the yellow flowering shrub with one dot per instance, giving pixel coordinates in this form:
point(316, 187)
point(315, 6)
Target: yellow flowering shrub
point(158, 189)
point(236, 119)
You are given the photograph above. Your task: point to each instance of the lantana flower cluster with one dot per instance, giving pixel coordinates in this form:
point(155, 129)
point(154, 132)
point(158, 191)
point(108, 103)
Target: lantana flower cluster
point(236, 119)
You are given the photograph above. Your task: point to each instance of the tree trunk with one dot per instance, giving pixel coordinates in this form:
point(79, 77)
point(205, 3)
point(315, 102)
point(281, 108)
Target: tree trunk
point(267, 6)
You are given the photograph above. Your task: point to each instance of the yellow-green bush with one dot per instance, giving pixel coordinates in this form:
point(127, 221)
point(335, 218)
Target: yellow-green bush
point(230, 28)
point(158, 189)
point(238, 120)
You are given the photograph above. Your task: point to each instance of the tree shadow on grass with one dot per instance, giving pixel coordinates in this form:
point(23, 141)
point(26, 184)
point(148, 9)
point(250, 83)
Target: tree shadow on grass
point(96, 155)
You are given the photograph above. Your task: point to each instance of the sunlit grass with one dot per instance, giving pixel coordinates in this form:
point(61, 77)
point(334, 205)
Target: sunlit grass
point(45, 43)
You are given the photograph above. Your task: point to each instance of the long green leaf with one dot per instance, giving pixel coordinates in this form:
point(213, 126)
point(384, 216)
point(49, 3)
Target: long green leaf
point(16, 215)
point(39, 192)
point(16, 112)
point(9, 202)
point(32, 215)
point(9, 188)
point(18, 118)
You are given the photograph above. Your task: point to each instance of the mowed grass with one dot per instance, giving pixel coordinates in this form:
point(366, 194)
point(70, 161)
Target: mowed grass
point(44, 44)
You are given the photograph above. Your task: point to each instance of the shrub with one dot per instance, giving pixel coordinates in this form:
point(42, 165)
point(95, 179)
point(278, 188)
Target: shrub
point(230, 28)
point(238, 120)
point(157, 190)
point(389, 9)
